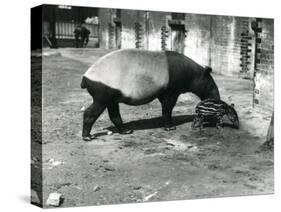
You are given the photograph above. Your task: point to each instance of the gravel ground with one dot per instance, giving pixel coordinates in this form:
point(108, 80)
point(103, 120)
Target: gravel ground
point(150, 164)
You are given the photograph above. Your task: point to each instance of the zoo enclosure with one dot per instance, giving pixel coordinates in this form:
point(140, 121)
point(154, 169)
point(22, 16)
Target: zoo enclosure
point(59, 22)
point(240, 47)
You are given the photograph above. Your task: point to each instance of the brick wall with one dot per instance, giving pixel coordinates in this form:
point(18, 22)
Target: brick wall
point(227, 48)
point(264, 73)
point(247, 49)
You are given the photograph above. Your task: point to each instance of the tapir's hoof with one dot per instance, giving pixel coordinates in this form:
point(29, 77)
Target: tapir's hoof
point(88, 138)
point(170, 128)
point(125, 132)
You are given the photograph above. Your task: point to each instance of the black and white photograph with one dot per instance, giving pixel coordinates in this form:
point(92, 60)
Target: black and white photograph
point(134, 106)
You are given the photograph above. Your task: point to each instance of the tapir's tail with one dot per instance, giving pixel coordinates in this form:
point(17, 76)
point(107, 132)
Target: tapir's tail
point(83, 83)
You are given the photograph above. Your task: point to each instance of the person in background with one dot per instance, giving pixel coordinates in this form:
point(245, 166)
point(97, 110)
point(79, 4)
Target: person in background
point(77, 34)
point(85, 33)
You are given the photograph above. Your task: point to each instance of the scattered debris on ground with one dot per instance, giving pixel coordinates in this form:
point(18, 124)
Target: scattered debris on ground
point(54, 199)
point(96, 188)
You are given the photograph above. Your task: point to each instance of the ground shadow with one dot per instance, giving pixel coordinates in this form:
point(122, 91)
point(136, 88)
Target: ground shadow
point(214, 125)
point(154, 123)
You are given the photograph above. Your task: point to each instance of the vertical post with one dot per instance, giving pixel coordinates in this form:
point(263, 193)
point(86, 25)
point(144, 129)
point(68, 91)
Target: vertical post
point(139, 35)
point(146, 21)
point(245, 47)
point(111, 35)
point(36, 106)
point(270, 131)
point(255, 25)
point(211, 41)
point(164, 35)
point(254, 77)
point(53, 26)
point(118, 29)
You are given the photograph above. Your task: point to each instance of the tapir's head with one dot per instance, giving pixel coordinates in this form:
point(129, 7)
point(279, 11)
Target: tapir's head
point(205, 86)
point(232, 115)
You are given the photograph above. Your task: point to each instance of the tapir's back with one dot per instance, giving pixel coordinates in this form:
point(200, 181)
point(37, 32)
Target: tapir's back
point(136, 73)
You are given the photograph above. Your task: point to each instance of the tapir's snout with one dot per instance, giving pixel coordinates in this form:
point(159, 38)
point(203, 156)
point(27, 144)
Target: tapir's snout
point(233, 116)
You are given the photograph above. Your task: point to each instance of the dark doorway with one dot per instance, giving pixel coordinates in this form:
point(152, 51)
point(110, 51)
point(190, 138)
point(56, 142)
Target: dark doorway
point(118, 30)
point(177, 37)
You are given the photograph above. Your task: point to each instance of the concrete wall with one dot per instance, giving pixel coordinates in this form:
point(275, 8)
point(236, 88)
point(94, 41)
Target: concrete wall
point(129, 18)
point(198, 35)
point(156, 20)
point(150, 25)
point(225, 49)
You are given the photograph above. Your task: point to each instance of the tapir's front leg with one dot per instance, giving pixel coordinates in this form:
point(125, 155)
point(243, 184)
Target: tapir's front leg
point(91, 114)
point(168, 103)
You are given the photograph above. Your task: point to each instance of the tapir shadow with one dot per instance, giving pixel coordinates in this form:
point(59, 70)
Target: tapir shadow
point(153, 123)
point(213, 124)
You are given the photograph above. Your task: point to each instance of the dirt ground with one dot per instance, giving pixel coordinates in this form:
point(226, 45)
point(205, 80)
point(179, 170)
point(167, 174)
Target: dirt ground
point(150, 164)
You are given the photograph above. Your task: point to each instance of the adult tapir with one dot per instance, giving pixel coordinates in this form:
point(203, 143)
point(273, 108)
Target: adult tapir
point(136, 77)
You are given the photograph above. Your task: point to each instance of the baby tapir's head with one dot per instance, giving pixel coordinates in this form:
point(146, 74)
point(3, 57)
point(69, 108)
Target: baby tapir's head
point(233, 116)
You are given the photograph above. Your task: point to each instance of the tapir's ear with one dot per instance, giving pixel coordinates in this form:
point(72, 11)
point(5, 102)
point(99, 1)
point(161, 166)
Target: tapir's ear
point(208, 69)
point(232, 105)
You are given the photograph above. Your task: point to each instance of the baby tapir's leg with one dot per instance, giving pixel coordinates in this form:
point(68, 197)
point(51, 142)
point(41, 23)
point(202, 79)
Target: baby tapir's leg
point(195, 122)
point(201, 122)
point(219, 122)
point(115, 117)
point(168, 103)
point(91, 114)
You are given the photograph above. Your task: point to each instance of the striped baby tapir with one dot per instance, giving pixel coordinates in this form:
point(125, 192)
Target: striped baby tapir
point(137, 77)
point(212, 111)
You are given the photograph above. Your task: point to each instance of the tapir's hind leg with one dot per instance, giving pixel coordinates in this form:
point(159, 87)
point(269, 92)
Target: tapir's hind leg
point(168, 103)
point(115, 117)
point(91, 114)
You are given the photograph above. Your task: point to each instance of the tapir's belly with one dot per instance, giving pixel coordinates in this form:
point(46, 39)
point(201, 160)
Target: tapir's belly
point(139, 76)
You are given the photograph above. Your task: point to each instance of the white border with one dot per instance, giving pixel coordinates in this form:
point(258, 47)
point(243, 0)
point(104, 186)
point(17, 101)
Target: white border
point(15, 102)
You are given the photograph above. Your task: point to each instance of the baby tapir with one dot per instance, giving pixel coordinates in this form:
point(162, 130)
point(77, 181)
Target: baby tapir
point(136, 77)
point(212, 111)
